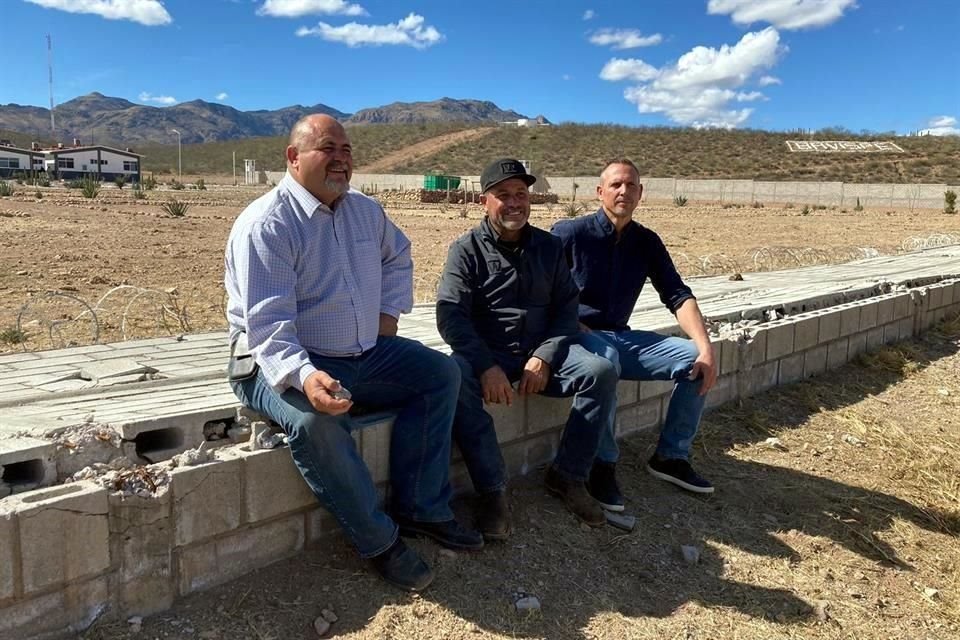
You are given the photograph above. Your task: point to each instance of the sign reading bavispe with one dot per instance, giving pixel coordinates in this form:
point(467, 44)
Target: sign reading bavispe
point(840, 146)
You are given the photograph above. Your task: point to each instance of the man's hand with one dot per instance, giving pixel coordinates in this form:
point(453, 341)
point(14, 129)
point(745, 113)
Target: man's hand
point(705, 366)
point(536, 375)
point(496, 386)
point(388, 325)
point(318, 387)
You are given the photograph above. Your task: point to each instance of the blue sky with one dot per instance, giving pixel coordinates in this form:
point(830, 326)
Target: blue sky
point(769, 64)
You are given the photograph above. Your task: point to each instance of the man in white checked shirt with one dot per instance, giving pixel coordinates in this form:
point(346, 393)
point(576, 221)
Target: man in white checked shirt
point(317, 276)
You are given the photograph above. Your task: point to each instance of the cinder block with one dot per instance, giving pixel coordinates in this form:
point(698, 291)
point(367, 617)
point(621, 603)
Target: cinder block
point(514, 458)
point(837, 353)
point(874, 338)
point(815, 361)
point(891, 332)
point(650, 389)
point(935, 296)
point(273, 484)
point(947, 292)
point(141, 541)
point(885, 309)
point(217, 561)
point(780, 340)
point(717, 345)
point(64, 534)
point(640, 417)
point(806, 333)
point(628, 392)
point(57, 614)
point(791, 369)
point(723, 391)
point(857, 345)
point(545, 414)
point(906, 329)
point(320, 524)
point(207, 500)
point(510, 422)
point(754, 352)
point(829, 326)
point(902, 305)
point(375, 449)
point(729, 356)
point(542, 449)
point(759, 379)
point(868, 314)
point(849, 320)
point(9, 555)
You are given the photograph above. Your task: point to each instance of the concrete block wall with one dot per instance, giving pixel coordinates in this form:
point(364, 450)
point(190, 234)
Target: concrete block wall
point(71, 553)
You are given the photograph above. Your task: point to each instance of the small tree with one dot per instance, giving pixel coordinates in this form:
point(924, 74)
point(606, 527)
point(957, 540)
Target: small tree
point(859, 206)
point(949, 201)
point(120, 181)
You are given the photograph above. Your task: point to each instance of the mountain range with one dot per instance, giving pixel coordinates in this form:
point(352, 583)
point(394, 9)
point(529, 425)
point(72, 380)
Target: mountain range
point(99, 119)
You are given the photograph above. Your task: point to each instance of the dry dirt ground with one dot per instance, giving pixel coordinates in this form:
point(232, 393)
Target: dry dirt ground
point(848, 528)
point(164, 274)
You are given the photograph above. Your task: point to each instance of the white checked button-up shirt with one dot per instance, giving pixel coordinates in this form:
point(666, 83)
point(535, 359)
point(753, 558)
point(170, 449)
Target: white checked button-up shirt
point(301, 277)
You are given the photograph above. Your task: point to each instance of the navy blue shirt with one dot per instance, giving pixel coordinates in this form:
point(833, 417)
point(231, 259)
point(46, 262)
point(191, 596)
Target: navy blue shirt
point(611, 272)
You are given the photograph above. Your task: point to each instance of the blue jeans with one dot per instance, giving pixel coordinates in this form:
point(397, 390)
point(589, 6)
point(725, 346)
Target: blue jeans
point(400, 374)
point(591, 380)
point(645, 355)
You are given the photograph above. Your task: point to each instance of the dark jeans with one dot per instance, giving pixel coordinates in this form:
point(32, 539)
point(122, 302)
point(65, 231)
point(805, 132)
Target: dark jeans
point(400, 374)
point(590, 379)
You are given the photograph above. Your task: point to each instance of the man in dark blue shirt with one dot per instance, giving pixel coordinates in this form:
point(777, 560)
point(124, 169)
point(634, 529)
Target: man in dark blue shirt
point(611, 256)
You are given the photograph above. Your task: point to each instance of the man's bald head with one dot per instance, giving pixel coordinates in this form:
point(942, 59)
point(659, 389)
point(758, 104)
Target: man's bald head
point(320, 158)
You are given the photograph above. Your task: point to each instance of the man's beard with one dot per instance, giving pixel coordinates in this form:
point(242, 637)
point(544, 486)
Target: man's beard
point(336, 186)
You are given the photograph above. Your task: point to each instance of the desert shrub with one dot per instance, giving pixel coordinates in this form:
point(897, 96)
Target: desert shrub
point(201, 185)
point(757, 204)
point(120, 181)
point(572, 209)
point(149, 183)
point(949, 201)
point(680, 201)
point(38, 195)
point(175, 208)
point(806, 210)
point(176, 185)
point(5, 189)
point(859, 206)
point(90, 188)
point(138, 192)
point(12, 335)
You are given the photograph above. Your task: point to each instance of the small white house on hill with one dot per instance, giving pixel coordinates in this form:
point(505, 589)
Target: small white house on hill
point(95, 161)
point(14, 160)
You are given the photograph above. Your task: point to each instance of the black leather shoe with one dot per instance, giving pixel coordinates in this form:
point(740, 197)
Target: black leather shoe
point(403, 567)
point(575, 495)
point(493, 515)
point(449, 534)
point(602, 485)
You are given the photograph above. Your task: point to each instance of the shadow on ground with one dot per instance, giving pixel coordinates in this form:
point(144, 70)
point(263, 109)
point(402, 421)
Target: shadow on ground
point(579, 574)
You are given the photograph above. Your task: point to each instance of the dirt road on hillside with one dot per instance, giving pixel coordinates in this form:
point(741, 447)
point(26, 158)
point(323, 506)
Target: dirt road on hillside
point(423, 149)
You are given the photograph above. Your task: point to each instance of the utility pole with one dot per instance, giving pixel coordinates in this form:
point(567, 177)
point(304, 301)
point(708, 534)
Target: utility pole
point(234, 168)
point(179, 157)
point(53, 125)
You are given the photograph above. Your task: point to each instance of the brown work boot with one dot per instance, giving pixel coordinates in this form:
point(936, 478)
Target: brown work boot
point(576, 497)
point(493, 515)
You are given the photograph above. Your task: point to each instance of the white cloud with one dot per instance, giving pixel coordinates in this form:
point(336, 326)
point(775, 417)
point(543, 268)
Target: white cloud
point(941, 126)
point(701, 88)
point(298, 8)
point(223, 95)
point(147, 12)
point(624, 38)
point(766, 81)
point(567, 76)
point(146, 97)
point(618, 69)
point(589, 14)
point(410, 32)
point(784, 14)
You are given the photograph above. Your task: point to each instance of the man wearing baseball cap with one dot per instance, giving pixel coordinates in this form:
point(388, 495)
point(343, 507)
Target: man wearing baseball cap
point(507, 306)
